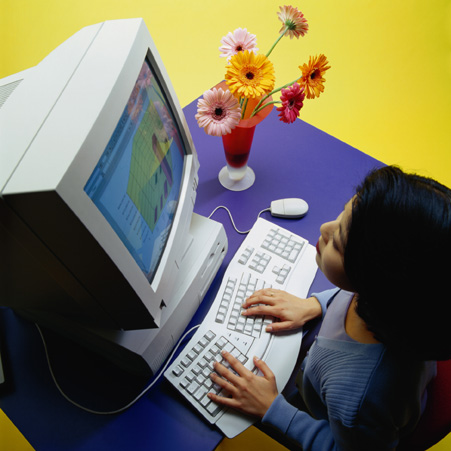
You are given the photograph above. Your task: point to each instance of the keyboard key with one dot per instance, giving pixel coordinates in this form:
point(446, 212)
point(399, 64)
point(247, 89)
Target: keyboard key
point(205, 401)
point(192, 387)
point(184, 383)
point(178, 370)
point(200, 393)
point(203, 363)
point(186, 362)
point(213, 409)
point(192, 355)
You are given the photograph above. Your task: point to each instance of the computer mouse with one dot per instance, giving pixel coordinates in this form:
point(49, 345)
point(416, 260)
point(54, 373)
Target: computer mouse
point(289, 208)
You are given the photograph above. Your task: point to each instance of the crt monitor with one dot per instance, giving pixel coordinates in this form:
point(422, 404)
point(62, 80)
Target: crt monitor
point(98, 182)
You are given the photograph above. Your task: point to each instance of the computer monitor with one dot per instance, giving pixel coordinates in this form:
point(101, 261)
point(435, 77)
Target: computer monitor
point(98, 180)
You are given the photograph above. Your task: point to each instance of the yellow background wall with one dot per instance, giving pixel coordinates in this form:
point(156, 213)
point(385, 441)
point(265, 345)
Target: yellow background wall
point(388, 92)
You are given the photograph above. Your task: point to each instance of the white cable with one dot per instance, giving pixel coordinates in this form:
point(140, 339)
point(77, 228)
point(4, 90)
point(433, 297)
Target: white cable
point(231, 218)
point(131, 402)
point(164, 367)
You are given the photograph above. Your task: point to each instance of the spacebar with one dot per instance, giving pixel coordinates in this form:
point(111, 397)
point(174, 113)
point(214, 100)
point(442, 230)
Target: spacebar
point(260, 348)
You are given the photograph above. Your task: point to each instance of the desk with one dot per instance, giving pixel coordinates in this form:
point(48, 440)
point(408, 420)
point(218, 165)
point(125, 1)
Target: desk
point(294, 160)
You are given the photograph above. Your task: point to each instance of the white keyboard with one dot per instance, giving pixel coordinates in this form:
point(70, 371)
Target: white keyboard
point(270, 256)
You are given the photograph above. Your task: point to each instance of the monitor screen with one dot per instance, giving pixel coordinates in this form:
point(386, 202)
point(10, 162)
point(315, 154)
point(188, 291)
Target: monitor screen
point(136, 182)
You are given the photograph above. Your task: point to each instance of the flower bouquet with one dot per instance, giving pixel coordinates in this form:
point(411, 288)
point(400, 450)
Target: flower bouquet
point(234, 107)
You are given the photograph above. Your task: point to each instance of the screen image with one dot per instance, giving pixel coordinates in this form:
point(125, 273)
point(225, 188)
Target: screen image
point(136, 182)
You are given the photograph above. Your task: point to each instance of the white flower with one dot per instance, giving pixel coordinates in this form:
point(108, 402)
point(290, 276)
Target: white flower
point(238, 41)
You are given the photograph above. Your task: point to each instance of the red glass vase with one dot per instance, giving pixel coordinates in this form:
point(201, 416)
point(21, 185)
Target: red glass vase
point(237, 175)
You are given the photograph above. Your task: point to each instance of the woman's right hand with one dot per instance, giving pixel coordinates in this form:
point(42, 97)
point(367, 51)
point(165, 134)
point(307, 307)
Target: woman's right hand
point(292, 312)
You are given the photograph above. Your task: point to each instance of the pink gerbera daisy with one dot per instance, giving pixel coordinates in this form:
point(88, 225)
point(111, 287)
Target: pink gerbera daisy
point(293, 21)
point(218, 112)
point(238, 41)
point(292, 99)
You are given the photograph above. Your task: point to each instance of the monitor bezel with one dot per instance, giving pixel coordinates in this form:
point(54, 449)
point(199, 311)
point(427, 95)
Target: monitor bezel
point(119, 73)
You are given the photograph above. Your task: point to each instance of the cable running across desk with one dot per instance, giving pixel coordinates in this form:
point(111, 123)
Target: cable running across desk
point(122, 409)
point(231, 218)
point(156, 377)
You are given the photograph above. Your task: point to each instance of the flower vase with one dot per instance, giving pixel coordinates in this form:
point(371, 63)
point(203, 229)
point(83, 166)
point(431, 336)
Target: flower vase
point(237, 175)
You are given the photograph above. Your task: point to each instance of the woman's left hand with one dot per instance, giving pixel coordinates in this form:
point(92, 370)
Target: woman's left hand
point(246, 391)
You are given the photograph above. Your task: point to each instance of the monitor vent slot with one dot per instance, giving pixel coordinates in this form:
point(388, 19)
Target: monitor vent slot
point(7, 90)
point(159, 359)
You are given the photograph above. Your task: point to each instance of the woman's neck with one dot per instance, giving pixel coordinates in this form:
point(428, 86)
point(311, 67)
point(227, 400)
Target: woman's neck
point(355, 326)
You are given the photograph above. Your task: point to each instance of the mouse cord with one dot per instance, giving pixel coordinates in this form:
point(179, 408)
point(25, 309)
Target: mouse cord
point(231, 218)
point(131, 402)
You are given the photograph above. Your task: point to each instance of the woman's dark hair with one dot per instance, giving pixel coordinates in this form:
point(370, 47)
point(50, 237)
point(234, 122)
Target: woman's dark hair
point(398, 259)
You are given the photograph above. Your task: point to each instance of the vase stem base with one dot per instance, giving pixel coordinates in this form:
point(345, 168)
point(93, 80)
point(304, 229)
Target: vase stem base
point(236, 185)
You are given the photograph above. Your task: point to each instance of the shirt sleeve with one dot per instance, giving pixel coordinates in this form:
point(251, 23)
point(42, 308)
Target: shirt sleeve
point(321, 435)
point(325, 297)
point(299, 426)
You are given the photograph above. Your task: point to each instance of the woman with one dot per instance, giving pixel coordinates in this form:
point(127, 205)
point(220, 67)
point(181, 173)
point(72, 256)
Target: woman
point(363, 384)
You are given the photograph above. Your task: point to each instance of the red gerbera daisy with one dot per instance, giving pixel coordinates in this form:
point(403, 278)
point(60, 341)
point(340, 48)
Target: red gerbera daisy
point(292, 99)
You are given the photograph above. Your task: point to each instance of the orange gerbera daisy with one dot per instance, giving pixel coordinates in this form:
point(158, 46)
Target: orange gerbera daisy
point(250, 75)
point(312, 79)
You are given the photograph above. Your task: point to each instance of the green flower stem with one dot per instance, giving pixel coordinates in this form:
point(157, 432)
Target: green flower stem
point(257, 108)
point(277, 41)
point(243, 109)
point(263, 107)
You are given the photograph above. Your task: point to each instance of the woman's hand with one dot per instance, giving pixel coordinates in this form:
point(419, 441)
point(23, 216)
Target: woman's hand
point(244, 391)
point(293, 312)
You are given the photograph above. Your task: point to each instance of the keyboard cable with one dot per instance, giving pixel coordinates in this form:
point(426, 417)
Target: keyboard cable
point(113, 412)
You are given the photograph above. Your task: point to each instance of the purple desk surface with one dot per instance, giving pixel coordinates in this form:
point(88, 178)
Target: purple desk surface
point(294, 160)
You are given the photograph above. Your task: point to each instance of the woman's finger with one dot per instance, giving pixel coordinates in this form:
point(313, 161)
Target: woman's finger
point(264, 368)
point(225, 401)
point(266, 296)
point(222, 382)
point(235, 364)
point(267, 310)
